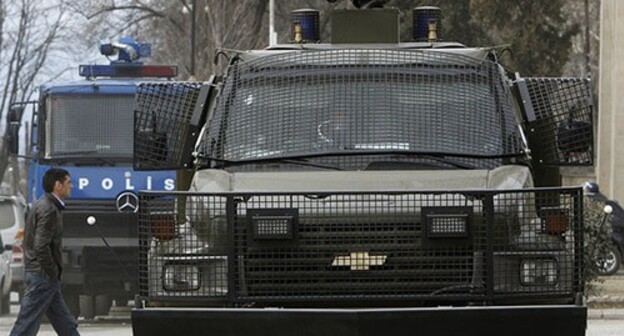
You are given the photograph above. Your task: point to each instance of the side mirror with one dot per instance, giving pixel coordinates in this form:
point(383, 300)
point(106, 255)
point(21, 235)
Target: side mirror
point(14, 118)
point(13, 138)
point(15, 113)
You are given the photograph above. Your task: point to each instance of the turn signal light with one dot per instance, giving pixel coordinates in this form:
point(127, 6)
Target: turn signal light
point(20, 234)
point(163, 226)
point(555, 220)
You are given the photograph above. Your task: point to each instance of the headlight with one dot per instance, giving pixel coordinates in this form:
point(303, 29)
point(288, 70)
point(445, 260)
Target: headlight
point(447, 221)
point(538, 272)
point(448, 225)
point(181, 277)
point(273, 223)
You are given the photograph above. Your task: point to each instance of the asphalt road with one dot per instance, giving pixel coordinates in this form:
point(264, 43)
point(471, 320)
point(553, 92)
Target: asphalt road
point(117, 325)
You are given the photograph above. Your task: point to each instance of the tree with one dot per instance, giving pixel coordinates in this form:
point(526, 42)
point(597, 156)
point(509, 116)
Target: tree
point(30, 32)
point(538, 31)
point(584, 54)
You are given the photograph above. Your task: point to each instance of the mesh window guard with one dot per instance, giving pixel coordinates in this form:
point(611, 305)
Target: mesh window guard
point(364, 102)
point(162, 123)
point(562, 121)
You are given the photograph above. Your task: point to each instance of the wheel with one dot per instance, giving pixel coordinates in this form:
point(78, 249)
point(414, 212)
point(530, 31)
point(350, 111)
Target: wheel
point(610, 264)
point(120, 302)
point(87, 306)
point(72, 301)
point(5, 304)
point(103, 304)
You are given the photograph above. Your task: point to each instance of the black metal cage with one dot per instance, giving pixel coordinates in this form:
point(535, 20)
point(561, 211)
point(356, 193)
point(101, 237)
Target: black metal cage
point(559, 113)
point(362, 249)
point(166, 123)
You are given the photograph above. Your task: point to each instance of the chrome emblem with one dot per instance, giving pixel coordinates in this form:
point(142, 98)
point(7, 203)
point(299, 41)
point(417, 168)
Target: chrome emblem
point(359, 261)
point(127, 202)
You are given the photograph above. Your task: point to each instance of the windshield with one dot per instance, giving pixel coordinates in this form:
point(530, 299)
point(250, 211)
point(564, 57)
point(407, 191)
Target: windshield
point(89, 126)
point(398, 105)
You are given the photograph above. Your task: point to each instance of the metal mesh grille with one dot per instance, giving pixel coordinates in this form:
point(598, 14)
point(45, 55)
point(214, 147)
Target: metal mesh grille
point(363, 101)
point(563, 109)
point(161, 123)
point(352, 247)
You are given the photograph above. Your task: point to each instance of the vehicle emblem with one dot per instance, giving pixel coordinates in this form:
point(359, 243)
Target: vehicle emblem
point(359, 261)
point(127, 202)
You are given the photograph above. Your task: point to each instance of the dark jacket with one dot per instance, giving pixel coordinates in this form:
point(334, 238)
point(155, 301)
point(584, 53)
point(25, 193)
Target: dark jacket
point(42, 237)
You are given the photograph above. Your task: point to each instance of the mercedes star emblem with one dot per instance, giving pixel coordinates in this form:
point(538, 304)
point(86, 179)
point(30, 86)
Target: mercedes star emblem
point(127, 202)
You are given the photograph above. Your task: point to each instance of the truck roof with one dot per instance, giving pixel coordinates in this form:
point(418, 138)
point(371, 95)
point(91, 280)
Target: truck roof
point(99, 85)
point(442, 47)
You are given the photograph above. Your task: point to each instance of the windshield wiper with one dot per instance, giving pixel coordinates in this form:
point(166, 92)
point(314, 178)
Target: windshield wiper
point(82, 152)
point(81, 160)
point(300, 161)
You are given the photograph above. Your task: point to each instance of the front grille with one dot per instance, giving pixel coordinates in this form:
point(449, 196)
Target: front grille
point(334, 259)
point(113, 261)
point(92, 205)
point(342, 248)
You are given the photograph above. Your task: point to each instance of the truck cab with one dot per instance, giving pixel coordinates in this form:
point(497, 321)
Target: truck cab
point(86, 127)
point(365, 186)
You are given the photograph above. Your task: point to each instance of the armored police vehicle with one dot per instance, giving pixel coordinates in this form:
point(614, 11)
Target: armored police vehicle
point(86, 127)
point(363, 187)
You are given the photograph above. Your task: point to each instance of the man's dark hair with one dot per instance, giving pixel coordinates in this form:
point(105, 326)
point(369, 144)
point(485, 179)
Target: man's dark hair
point(51, 176)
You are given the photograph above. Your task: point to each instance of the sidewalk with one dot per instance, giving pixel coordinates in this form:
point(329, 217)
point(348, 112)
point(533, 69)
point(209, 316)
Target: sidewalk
point(609, 304)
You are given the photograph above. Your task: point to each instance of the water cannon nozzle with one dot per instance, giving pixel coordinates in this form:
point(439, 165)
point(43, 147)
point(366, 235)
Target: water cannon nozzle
point(127, 48)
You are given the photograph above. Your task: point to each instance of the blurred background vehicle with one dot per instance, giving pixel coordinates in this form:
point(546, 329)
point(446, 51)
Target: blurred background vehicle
point(612, 260)
point(5, 280)
point(12, 219)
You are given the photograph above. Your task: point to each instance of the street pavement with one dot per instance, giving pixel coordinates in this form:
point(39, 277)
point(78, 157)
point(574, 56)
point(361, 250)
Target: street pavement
point(117, 324)
point(605, 316)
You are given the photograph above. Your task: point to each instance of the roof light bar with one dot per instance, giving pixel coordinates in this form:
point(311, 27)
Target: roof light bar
point(128, 70)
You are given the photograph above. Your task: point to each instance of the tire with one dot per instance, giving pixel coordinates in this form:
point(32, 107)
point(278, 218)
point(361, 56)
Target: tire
point(611, 262)
point(103, 304)
point(87, 306)
point(5, 304)
point(119, 302)
point(72, 301)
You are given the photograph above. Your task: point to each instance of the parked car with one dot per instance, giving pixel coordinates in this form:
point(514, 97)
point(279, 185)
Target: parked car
point(6, 280)
point(612, 261)
point(12, 220)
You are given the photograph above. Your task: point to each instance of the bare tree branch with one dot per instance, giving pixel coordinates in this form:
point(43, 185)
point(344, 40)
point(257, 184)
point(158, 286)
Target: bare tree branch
point(150, 10)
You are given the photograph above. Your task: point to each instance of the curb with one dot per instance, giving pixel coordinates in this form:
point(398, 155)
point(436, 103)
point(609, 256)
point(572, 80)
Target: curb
point(605, 314)
point(606, 307)
point(606, 302)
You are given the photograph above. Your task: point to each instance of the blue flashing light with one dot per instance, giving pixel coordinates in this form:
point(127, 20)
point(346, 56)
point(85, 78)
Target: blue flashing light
point(308, 22)
point(421, 18)
point(128, 70)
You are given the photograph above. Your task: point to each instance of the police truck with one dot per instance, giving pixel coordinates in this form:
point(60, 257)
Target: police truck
point(86, 127)
point(365, 186)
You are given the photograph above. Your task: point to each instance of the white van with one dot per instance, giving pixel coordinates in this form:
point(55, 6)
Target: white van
point(12, 221)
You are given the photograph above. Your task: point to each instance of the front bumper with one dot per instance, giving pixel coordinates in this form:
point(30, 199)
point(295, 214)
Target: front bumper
point(467, 321)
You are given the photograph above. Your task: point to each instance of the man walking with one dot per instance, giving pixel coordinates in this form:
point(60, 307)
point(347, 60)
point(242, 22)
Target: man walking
point(42, 256)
